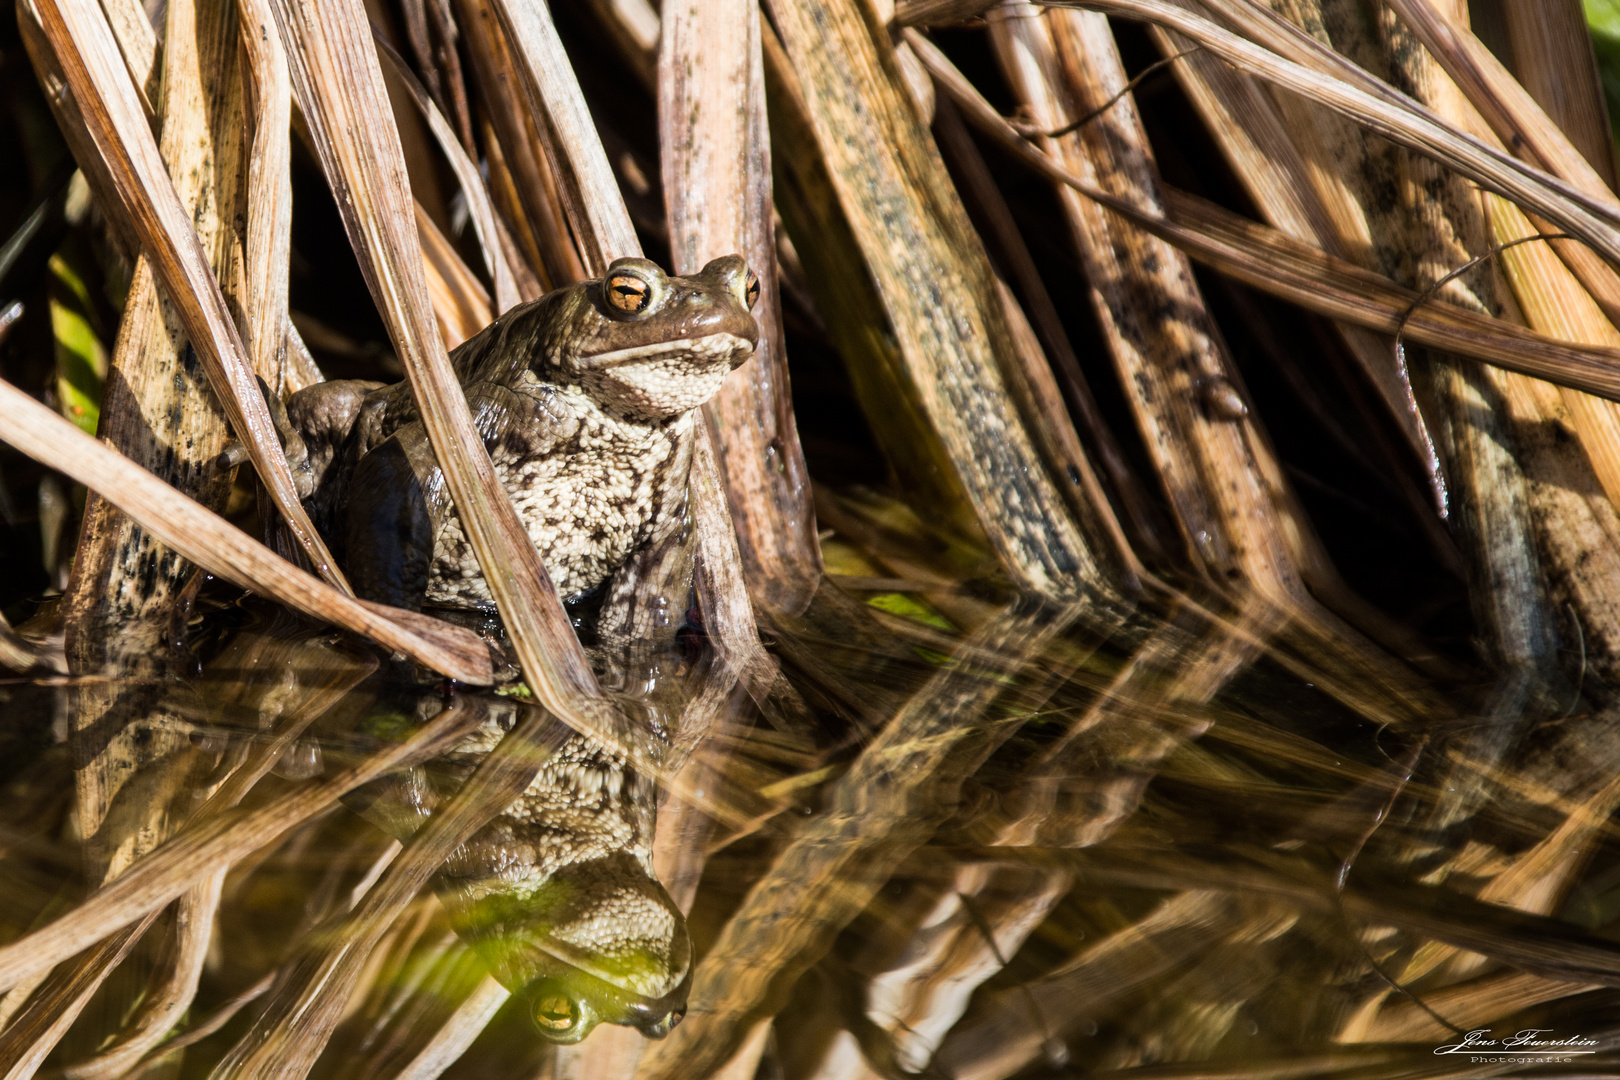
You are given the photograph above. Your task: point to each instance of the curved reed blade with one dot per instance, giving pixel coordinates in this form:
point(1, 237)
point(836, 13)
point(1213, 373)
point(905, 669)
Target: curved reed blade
point(224, 550)
point(95, 71)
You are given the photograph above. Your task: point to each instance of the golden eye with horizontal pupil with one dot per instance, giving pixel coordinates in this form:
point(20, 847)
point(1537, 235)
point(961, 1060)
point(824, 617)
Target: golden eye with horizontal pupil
point(627, 293)
point(555, 1012)
point(751, 290)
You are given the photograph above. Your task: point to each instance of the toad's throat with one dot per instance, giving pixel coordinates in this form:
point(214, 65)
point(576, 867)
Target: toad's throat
point(714, 347)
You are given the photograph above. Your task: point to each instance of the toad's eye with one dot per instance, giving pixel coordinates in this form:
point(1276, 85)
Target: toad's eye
point(555, 1013)
point(627, 293)
point(751, 290)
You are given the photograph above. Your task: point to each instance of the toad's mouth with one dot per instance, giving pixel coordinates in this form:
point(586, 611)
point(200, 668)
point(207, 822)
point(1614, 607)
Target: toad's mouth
point(649, 986)
point(705, 350)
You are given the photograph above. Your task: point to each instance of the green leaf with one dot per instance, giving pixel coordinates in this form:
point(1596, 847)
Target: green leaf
point(81, 359)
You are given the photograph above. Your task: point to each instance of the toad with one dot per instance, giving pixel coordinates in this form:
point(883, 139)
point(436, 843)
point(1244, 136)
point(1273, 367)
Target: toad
point(584, 399)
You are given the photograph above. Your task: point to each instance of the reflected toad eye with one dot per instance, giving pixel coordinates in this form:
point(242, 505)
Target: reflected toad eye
point(751, 290)
point(554, 1013)
point(627, 293)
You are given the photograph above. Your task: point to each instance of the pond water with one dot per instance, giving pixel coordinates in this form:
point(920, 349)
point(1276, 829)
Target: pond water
point(954, 833)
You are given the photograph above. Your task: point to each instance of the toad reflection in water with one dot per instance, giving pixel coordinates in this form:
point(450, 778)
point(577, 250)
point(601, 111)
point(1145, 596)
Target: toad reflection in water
point(556, 894)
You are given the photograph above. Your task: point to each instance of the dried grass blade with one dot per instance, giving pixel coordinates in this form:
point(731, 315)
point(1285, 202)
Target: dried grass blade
point(980, 187)
point(157, 408)
point(95, 72)
point(1520, 123)
point(167, 1002)
point(213, 844)
point(313, 992)
point(269, 198)
point(590, 192)
point(479, 208)
point(461, 306)
point(1554, 60)
point(1508, 107)
point(1002, 1037)
point(70, 122)
point(34, 1032)
point(1302, 273)
point(458, 1033)
point(722, 586)
point(1397, 118)
point(226, 551)
point(717, 186)
point(142, 50)
point(339, 85)
point(1303, 200)
point(519, 169)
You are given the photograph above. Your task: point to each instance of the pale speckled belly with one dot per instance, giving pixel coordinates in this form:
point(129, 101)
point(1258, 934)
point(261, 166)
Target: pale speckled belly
point(585, 510)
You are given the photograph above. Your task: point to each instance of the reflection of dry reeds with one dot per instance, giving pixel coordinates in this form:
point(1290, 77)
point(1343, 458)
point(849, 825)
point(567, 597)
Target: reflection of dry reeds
point(1086, 741)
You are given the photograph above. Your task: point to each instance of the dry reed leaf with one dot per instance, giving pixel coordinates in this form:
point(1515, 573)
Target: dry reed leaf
point(1243, 532)
point(212, 844)
point(479, 209)
point(1386, 111)
point(589, 191)
point(1211, 458)
point(1549, 41)
point(1302, 199)
point(34, 1032)
point(1520, 123)
point(457, 1034)
point(227, 552)
point(1533, 943)
point(461, 305)
point(1302, 273)
point(138, 41)
point(1471, 1005)
point(980, 190)
point(70, 122)
point(157, 409)
point(938, 12)
point(521, 175)
point(1006, 1033)
point(715, 154)
point(269, 200)
point(170, 995)
point(909, 227)
point(94, 69)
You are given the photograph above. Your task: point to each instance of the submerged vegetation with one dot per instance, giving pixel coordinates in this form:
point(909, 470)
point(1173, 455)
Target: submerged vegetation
point(1149, 607)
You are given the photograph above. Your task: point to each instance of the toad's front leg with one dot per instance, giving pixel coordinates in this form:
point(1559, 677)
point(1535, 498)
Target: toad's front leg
point(398, 502)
